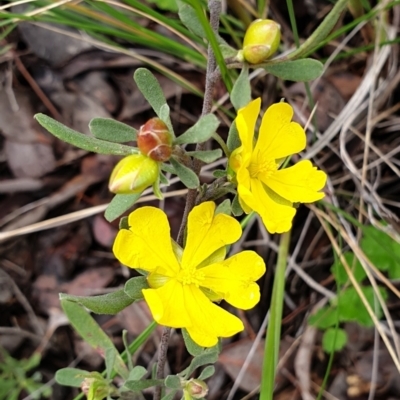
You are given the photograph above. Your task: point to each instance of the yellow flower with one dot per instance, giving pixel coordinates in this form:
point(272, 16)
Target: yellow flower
point(262, 186)
point(184, 282)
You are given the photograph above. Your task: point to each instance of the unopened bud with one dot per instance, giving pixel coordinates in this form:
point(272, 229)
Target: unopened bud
point(196, 388)
point(154, 140)
point(261, 40)
point(133, 174)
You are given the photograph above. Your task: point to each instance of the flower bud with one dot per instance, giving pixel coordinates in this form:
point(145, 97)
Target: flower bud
point(261, 40)
point(154, 140)
point(196, 388)
point(133, 174)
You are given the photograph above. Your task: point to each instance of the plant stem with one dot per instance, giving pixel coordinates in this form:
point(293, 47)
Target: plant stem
point(271, 353)
point(215, 12)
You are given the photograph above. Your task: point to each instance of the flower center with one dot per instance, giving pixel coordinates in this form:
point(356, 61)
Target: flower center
point(190, 276)
point(262, 168)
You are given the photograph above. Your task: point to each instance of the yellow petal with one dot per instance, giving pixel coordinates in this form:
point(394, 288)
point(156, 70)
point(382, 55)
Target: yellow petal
point(185, 306)
point(235, 279)
point(147, 244)
point(300, 183)
point(276, 214)
point(168, 305)
point(208, 321)
point(246, 123)
point(278, 137)
point(207, 233)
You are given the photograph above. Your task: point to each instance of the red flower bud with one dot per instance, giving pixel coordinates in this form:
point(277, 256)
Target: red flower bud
point(154, 140)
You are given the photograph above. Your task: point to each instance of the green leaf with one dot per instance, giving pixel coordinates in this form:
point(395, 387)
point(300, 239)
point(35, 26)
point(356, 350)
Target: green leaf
point(193, 348)
point(188, 16)
point(82, 141)
point(334, 339)
point(219, 173)
point(324, 318)
point(91, 332)
point(112, 130)
point(207, 372)
point(186, 175)
point(224, 208)
point(173, 382)
point(110, 303)
point(351, 307)
point(207, 156)
point(227, 51)
point(340, 273)
point(120, 204)
point(237, 209)
point(110, 358)
point(71, 376)
point(241, 91)
point(208, 357)
point(233, 141)
point(302, 70)
point(170, 395)
point(200, 132)
point(382, 250)
point(140, 385)
point(151, 89)
point(134, 286)
point(169, 5)
point(137, 373)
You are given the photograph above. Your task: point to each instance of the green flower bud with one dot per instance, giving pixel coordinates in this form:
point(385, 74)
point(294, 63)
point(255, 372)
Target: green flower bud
point(261, 40)
point(154, 140)
point(133, 174)
point(196, 388)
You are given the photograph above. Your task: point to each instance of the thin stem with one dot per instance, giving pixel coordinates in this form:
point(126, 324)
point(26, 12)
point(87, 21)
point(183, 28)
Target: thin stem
point(271, 353)
point(221, 142)
point(215, 12)
point(162, 358)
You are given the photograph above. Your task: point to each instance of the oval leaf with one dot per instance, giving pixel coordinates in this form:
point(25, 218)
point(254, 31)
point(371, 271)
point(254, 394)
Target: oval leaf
point(71, 376)
point(82, 141)
point(206, 156)
point(111, 130)
point(201, 131)
point(241, 91)
point(110, 303)
point(119, 204)
point(303, 70)
point(134, 286)
point(186, 175)
point(188, 16)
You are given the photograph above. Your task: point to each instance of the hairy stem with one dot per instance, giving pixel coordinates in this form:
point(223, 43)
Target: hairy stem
point(215, 12)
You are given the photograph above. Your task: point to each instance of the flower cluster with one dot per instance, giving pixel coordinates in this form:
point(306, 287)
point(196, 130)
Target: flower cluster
point(185, 283)
point(263, 186)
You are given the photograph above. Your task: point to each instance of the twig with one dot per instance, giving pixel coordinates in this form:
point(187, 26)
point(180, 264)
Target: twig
point(215, 11)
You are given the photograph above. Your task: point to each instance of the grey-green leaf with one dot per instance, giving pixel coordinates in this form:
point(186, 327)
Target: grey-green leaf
point(110, 303)
point(241, 91)
point(150, 88)
point(173, 382)
point(112, 130)
point(224, 208)
point(208, 357)
point(186, 175)
point(233, 141)
point(134, 286)
point(193, 348)
point(188, 16)
point(82, 141)
point(140, 385)
point(71, 376)
point(200, 132)
point(120, 204)
point(207, 372)
point(302, 70)
point(207, 156)
point(237, 209)
point(138, 372)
